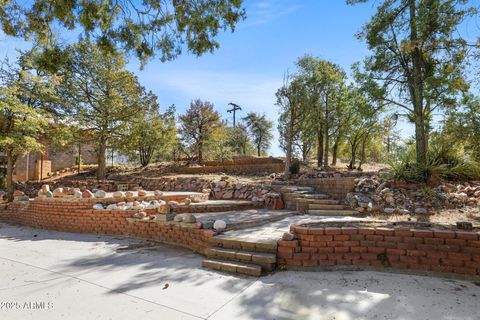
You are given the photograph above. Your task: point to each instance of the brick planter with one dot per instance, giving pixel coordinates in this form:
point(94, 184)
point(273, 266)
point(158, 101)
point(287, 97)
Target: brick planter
point(78, 216)
point(364, 246)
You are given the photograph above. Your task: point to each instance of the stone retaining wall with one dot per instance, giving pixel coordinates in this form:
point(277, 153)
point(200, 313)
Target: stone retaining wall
point(263, 168)
point(442, 251)
point(77, 216)
point(338, 187)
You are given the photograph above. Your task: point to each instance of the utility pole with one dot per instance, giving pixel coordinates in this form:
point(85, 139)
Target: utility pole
point(234, 110)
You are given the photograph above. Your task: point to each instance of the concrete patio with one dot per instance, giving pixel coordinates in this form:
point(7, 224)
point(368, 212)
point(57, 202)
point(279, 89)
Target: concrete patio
point(81, 276)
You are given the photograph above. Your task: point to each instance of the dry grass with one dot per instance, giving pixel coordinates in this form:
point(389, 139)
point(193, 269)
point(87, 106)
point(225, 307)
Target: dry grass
point(445, 216)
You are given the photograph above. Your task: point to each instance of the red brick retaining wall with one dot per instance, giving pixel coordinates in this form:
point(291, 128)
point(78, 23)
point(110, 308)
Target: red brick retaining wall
point(77, 216)
point(443, 251)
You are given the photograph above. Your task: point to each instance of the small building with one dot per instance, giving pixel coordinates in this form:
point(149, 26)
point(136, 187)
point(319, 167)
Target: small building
point(36, 166)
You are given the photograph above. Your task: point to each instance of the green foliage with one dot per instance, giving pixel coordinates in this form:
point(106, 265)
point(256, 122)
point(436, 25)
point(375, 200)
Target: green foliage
point(445, 161)
point(260, 130)
point(199, 127)
point(151, 135)
point(417, 60)
point(142, 28)
point(25, 99)
point(101, 96)
point(295, 166)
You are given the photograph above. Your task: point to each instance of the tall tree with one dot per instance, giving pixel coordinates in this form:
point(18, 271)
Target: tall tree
point(198, 126)
point(25, 96)
point(291, 98)
point(140, 27)
point(151, 134)
point(261, 131)
point(101, 95)
point(326, 89)
point(417, 58)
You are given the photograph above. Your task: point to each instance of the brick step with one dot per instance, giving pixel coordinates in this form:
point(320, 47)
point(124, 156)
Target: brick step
point(344, 212)
point(319, 206)
point(223, 241)
point(233, 267)
point(265, 260)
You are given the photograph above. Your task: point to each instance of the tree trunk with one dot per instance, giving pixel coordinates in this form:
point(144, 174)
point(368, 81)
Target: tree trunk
point(102, 166)
point(353, 151)
point(325, 153)
point(416, 90)
point(319, 148)
point(200, 152)
point(10, 167)
point(327, 142)
point(362, 153)
point(259, 148)
point(79, 158)
point(335, 151)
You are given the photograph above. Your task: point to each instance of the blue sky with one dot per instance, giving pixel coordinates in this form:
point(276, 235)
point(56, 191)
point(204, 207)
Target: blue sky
point(251, 62)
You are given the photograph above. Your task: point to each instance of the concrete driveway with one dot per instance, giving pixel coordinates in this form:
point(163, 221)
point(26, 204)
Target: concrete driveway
point(55, 275)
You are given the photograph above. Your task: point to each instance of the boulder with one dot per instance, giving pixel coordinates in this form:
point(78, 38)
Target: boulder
point(187, 201)
point(87, 194)
point(100, 194)
point(389, 210)
point(119, 195)
point(189, 218)
point(18, 193)
point(22, 198)
point(98, 206)
point(45, 188)
point(140, 215)
point(421, 210)
point(77, 194)
point(129, 194)
point(112, 206)
point(178, 218)
point(288, 236)
point(157, 193)
point(142, 193)
point(49, 194)
point(58, 193)
point(219, 225)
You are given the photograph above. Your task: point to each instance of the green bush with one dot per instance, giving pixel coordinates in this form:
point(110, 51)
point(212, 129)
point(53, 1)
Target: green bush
point(444, 161)
point(295, 166)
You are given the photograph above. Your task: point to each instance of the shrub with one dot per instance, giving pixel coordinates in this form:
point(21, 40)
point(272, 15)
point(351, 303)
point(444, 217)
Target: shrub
point(295, 166)
point(444, 161)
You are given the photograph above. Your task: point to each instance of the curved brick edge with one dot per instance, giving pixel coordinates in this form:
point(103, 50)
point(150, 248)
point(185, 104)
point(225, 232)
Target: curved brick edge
point(389, 249)
point(72, 216)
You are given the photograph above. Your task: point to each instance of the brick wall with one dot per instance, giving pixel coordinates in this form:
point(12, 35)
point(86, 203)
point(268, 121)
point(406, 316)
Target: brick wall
point(338, 186)
point(77, 216)
point(443, 251)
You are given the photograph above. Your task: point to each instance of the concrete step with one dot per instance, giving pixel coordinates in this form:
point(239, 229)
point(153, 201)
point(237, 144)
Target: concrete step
point(233, 267)
point(266, 260)
point(344, 212)
point(320, 206)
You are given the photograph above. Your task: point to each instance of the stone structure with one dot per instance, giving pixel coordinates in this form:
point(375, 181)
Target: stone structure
point(417, 248)
point(36, 165)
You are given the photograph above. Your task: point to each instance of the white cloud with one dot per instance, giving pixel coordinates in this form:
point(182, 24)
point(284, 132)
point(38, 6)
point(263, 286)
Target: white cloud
point(262, 12)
